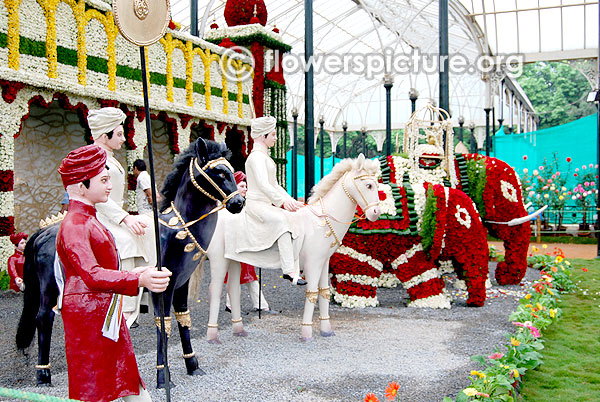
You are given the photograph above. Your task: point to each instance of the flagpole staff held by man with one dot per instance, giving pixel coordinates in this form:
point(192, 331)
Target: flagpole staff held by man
point(144, 23)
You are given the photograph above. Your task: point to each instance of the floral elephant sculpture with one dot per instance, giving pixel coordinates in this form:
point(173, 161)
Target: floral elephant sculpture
point(421, 223)
point(492, 185)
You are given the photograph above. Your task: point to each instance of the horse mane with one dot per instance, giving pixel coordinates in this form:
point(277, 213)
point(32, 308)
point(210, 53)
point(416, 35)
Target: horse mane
point(214, 150)
point(346, 165)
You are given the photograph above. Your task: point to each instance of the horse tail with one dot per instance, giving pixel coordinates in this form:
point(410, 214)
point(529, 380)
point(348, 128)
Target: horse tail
point(194, 283)
point(31, 299)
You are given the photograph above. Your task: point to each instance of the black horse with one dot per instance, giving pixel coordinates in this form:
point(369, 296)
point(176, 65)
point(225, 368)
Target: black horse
point(201, 181)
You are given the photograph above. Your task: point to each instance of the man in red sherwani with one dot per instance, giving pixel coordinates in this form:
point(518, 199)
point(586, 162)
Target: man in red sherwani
point(100, 359)
point(16, 261)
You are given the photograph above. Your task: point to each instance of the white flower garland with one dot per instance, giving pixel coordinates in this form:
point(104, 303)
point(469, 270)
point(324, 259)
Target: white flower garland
point(360, 279)
point(388, 205)
point(354, 301)
point(424, 277)
point(437, 301)
point(508, 191)
point(401, 166)
point(466, 221)
point(241, 31)
point(388, 280)
point(403, 258)
point(446, 267)
point(7, 203)
point(345, 250)
point(7, 149)
point(183, 139)
point(420, 197)
point(6, 250)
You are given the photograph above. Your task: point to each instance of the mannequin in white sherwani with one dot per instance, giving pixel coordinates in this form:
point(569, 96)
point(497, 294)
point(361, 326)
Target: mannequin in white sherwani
point(134, 234)
point(265, 225)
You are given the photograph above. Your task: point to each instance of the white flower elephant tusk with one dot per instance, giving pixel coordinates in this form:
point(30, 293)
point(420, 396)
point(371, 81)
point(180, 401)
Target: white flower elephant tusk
point(518, 221)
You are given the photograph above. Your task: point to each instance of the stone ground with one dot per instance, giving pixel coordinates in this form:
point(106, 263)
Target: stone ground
point(425, 351)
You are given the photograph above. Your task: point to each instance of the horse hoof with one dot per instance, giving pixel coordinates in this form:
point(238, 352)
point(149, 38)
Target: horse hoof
point(214, 341)
point(191, 365)
point(197, 371)
point(242, 334)
point(44, 378)
point(327, 334)
point(307, 340)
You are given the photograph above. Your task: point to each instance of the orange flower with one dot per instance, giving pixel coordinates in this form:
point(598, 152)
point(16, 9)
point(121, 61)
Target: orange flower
point(370, 397)
point(391, 390)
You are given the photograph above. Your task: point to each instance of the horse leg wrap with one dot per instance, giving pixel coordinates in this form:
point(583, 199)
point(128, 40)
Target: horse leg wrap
point(324, 293)
point(184, 319)
point(312, 296)
point(167, 325)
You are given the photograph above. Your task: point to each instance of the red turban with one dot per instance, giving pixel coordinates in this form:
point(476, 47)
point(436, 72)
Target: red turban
point(239, 177)
point(82, 164)
point(15, 238)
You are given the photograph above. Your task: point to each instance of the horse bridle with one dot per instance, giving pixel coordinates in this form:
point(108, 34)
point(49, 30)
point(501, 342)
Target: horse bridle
point(184, 231)
point(211, 165)
point(221, 203)
point(326, 215)
point(354, 179)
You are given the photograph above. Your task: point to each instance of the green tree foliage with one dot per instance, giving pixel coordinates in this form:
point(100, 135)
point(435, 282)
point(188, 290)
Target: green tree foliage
point(557, 91)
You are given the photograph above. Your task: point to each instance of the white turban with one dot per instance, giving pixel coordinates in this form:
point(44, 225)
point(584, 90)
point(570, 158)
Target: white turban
point(105, 120)
point(263, 126)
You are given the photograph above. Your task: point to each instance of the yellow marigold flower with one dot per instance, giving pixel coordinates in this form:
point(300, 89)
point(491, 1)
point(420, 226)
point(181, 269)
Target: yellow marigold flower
point(514, 341)
point(539, 306)
point(558, 259)
point(478, 373)
point(528, 306)
point(535, 249)
point(516, 373)
point(553, 312)
point(470, 391)
point(544, 246)
point(528, 296)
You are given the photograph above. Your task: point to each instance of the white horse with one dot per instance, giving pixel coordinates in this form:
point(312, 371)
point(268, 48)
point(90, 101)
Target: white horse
point(326, 219)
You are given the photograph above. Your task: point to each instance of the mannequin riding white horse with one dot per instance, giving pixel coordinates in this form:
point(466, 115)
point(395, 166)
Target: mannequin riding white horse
point(325, 220)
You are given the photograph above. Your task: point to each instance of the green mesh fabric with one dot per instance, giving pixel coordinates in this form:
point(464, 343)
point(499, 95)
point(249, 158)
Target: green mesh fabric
point(577, 140)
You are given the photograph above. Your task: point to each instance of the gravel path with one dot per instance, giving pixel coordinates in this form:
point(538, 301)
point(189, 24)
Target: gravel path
point(425, 351)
